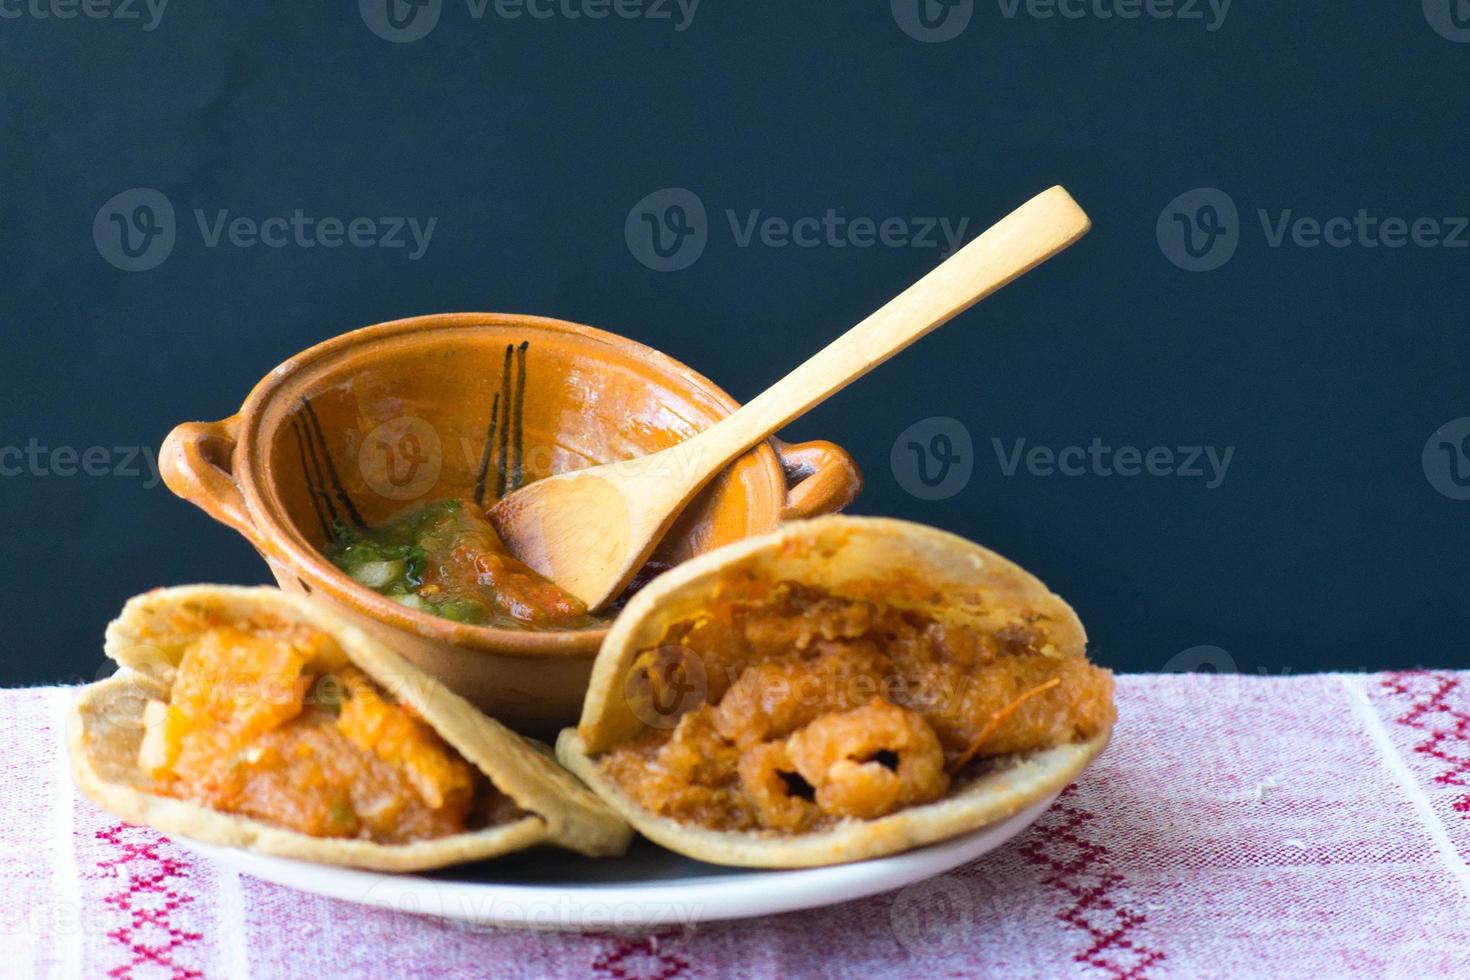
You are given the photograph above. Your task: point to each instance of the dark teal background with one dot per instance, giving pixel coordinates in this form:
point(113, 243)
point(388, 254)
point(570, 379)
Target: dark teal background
point(1327, 368)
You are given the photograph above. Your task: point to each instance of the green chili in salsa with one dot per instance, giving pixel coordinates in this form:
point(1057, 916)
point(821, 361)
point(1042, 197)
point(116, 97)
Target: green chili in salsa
point(445, 558)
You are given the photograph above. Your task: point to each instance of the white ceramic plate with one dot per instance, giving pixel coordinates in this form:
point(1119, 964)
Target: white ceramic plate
point(650, 888)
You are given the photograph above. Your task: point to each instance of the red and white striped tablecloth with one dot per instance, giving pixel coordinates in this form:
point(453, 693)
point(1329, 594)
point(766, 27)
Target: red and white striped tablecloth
point(1237, 827)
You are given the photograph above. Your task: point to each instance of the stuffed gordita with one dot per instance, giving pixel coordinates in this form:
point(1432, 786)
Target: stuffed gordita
point(251, 718)
point(839, 689)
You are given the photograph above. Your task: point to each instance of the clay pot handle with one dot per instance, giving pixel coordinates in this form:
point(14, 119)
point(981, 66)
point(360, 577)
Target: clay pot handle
point(823, 477)
point(196, 464)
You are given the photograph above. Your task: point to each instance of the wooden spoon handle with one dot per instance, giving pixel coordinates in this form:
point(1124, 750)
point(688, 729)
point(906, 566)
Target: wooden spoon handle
point(1019, 242)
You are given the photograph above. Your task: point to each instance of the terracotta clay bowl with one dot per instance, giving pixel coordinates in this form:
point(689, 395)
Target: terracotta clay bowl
point(366, 425)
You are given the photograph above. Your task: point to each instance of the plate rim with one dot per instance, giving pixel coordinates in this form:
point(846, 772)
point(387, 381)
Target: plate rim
point(582, 907)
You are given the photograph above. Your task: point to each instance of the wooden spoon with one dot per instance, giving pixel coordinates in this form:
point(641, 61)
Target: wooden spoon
point(590, 530)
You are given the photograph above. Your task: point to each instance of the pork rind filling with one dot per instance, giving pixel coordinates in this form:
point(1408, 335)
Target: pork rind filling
point(815, 709)
point(269, 720)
